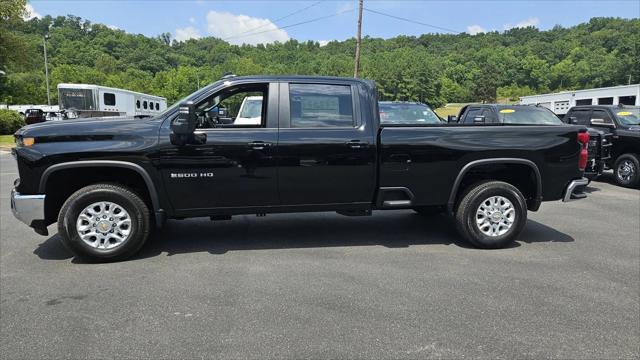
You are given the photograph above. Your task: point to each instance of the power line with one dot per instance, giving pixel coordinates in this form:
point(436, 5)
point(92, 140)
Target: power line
point(276, 20)
point(291, 25)
point(411, 21)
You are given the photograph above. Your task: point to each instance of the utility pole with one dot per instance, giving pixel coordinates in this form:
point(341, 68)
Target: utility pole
point(358, 36)
point(46, 67)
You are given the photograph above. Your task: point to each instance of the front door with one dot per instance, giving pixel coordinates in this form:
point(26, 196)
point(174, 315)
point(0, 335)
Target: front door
point(234, 167)
point(326, 152)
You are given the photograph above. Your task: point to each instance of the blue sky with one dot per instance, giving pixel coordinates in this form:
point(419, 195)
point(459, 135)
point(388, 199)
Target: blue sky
point(257, 21)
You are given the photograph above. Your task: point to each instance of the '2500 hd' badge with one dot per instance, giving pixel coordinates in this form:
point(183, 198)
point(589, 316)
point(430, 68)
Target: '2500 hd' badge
point(192, 175)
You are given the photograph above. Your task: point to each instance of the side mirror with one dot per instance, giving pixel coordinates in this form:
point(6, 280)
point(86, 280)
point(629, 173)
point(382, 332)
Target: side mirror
point(452, 119)
point(601, 122)
point(479, 119)
point(572, 120)
point(184, 124)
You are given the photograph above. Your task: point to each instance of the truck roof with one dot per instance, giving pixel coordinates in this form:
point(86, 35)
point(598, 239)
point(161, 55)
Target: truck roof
point(293, 78)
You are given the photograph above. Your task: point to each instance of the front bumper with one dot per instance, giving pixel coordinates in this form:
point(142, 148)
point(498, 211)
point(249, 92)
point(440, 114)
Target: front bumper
point(27, 208)
point(572, 187)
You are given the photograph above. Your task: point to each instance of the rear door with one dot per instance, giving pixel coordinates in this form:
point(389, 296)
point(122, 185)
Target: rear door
point(326, 151)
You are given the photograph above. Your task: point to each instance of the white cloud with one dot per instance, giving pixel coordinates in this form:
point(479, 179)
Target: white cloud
point(113, 27)
point(239, 27)
point(534, 21)
point(344, 7)
point(184, 34)
point(475, 29)
point(30, 13)
point(192, 20)
point(324, 42)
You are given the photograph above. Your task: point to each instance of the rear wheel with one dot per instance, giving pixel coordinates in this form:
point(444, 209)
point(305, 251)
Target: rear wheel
point(491, 214)
point(627, 170)
point(104, 222)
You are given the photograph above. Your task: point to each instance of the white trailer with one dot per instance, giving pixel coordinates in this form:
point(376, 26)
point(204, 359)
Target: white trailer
point(561, 102)
point(87, 100)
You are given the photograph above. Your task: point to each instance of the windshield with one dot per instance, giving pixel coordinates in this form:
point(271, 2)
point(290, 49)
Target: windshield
point(628, 115)
point(251, 109)
point(404, 113)
point(78, 99)
point(527, 115)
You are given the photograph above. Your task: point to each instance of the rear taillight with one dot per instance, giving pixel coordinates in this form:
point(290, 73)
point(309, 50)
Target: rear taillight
point(583, 139)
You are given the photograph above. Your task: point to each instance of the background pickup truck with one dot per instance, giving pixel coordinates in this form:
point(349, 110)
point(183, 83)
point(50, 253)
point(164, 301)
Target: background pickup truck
point(319, 146)
point(621, 125)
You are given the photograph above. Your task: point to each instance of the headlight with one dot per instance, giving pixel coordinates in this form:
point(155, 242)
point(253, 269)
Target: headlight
point(25, 141)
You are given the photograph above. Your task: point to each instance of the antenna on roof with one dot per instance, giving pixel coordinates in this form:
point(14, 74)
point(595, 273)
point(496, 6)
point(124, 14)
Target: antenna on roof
point(227, 75)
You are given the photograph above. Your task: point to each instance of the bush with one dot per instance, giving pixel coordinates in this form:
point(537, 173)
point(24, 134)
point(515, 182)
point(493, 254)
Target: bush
point(10, 121)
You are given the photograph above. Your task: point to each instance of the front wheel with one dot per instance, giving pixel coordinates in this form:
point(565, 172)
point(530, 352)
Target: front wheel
point(627, 170)
point(104, 222)
point(491, 214)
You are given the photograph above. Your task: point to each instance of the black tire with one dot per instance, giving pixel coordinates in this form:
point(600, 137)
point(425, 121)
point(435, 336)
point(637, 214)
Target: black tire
point(118, 195)
point(470, 203)
point(625, 163)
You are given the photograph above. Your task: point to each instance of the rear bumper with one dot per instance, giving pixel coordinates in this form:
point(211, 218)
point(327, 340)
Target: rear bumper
point(27, 208)
point(572, 187)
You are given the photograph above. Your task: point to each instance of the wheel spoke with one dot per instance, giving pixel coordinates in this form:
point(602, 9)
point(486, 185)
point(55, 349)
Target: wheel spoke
point(495, 216)
point(104, 225)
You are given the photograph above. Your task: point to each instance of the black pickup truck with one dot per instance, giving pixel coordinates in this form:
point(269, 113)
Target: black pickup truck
point(486, 114)
point(318, 145)
point(620, 124)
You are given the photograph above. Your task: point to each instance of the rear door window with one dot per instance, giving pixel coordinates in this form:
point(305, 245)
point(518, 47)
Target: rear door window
point(471, 114)
point(582, 116)
point(320, 106)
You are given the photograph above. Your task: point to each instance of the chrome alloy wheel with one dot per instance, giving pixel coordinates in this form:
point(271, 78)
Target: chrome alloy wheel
point(495, 216)
point(626, 170)
point(104, 225)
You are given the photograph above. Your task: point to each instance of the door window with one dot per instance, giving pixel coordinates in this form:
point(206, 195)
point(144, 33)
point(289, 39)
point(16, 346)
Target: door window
point(471, 114)
point(488, 116)
point(242, 106)
point(582, 116)
point(601, 114)
point(109, 99)
point(319, 105)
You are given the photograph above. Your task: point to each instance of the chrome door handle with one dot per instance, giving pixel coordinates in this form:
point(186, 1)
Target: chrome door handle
point(259, 145)
point(357, 144)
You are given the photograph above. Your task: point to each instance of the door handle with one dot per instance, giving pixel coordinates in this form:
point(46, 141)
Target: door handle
point(357, 144)
point(259, 145)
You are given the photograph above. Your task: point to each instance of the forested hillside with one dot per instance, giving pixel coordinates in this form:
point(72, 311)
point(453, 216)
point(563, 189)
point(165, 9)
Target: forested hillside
point(433, 68)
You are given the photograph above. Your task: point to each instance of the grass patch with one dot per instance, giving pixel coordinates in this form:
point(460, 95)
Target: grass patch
point(7, 141)
point(450, 109)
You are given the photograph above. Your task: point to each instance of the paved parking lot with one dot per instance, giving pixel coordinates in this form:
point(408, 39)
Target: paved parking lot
point(394, 285)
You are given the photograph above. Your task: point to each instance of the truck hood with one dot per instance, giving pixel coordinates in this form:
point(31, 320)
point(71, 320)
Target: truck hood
point(88, 127)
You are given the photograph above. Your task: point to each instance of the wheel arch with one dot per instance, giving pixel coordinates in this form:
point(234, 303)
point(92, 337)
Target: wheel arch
point(106, 164)
point(455, 190)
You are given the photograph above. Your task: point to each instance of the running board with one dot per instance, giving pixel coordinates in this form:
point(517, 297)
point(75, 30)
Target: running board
point(396, 203)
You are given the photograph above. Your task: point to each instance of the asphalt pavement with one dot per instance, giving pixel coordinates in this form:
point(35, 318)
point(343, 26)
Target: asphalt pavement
point(393, 285)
